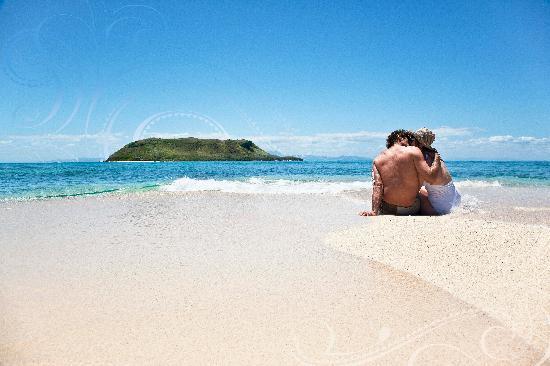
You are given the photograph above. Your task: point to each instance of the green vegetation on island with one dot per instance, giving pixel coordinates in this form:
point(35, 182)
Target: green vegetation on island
point(194, 149)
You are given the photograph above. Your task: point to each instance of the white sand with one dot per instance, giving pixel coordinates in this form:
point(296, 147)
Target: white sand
point(502, 268)
point(213, 278)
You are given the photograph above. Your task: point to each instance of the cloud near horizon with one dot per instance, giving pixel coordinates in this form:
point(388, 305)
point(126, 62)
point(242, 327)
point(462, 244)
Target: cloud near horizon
point(453, 143)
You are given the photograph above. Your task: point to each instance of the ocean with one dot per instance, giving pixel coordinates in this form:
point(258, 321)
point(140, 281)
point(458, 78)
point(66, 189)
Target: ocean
point(22, 181)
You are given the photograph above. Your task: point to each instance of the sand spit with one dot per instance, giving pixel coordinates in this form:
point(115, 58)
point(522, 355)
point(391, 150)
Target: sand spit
point(227, 279)
point(502, 268)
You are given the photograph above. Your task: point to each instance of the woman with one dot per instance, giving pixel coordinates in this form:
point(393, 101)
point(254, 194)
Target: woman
point(439, 196)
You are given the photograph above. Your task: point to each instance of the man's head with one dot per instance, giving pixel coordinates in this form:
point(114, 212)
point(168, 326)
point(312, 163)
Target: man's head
point(400, 137)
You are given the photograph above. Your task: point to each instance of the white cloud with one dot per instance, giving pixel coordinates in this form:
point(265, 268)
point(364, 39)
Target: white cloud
point(497, 147)
point(506, 138)
point(446, 131)
point(535, 140)
point(322, 137)
point(51, 147)
point(363, 143)
point(501, 139)
point(457, 142)
point(100, 137)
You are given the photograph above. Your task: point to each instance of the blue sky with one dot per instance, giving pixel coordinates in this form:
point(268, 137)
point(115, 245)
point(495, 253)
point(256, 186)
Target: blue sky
point(82, 78)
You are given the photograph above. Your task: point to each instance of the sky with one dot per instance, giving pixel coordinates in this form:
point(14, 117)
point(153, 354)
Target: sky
point(79, 79)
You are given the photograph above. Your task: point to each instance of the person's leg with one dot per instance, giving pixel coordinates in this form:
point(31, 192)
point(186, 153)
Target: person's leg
point(425, 205)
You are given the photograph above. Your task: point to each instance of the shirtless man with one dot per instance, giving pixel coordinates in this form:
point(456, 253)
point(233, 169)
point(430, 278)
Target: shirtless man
point(398, 173)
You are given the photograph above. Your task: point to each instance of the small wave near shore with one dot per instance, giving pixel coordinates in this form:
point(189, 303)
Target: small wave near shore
point(261, 185)
point(288, 186)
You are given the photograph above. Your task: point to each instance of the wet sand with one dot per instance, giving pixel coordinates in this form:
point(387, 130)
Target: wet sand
point(235, 279)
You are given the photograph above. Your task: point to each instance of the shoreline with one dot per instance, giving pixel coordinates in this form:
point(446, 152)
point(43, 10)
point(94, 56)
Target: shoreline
point(169, 277)
point(523, 205)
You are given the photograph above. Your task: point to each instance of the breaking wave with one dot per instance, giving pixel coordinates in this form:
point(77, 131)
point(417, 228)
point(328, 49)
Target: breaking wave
point(477, 183)
point(287, 186)
point(261, 185)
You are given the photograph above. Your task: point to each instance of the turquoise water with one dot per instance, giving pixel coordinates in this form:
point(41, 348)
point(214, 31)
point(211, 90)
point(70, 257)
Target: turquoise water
point(46, 180)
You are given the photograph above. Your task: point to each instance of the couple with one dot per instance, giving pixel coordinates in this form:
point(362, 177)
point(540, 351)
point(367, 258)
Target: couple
point(409, 177)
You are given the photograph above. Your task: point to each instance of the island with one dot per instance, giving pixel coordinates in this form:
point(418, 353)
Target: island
point(194, 149)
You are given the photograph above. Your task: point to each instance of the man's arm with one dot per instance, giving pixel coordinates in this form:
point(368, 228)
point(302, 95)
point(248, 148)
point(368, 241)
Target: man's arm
point(424, 170)
point(377, 190)
point(377, 193)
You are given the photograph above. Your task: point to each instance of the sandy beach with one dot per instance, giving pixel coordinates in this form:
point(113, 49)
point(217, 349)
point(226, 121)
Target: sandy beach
point(206, 278)
point(183, 183)
point(499, 267)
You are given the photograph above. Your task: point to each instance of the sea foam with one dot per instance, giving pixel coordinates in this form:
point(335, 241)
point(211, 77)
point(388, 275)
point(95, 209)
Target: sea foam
point(287, 186)
point(261, 185)
point(477, 183)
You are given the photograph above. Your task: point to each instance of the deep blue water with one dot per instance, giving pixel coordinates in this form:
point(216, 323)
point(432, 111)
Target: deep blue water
point(44, 180)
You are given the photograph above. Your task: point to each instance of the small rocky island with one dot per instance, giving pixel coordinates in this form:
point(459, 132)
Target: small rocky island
point(194, 149)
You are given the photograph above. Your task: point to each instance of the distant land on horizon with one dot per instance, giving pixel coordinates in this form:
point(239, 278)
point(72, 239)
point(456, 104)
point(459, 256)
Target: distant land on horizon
point(194, 149)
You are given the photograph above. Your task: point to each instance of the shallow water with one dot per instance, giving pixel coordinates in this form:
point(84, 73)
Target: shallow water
point(47, 180)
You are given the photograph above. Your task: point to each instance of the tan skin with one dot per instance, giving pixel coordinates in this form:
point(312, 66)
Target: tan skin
point(398, 173)
point(442, 178)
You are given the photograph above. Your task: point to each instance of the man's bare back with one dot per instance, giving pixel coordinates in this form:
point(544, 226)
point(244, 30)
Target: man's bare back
point(399, 175)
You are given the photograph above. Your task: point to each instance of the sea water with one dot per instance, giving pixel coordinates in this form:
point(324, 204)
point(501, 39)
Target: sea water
point(50, 180)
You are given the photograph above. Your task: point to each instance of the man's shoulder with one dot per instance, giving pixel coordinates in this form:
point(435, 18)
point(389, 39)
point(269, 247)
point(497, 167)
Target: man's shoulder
point(383, 156)
point(413, 151)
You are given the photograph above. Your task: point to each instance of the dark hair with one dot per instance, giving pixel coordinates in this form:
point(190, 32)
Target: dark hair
point(392, 138)
point(428, 149)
